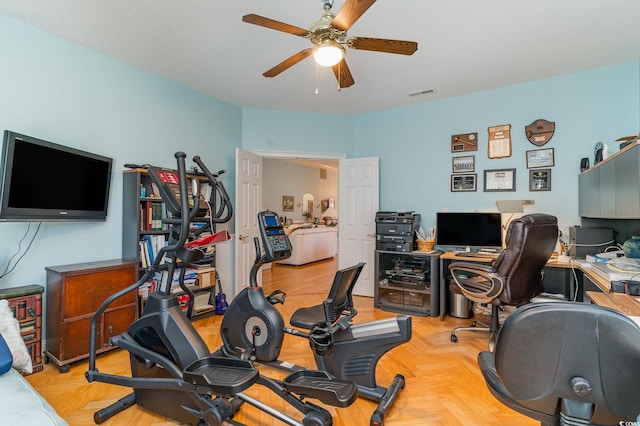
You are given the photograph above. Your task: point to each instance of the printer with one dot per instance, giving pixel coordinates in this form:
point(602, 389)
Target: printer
point(396, 231)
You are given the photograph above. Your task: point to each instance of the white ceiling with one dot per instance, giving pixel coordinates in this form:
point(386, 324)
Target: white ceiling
point(464, 46)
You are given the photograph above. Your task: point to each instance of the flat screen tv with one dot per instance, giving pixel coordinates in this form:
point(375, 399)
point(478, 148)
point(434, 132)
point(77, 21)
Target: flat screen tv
point(480, 230)
point(44, 181)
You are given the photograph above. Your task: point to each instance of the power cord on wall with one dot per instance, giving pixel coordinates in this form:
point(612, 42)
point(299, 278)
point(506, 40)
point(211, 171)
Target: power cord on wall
point(8, 269)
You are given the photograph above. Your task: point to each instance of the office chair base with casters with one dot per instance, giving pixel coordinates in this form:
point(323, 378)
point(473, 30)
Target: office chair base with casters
point(493, 327)
point(472, 327)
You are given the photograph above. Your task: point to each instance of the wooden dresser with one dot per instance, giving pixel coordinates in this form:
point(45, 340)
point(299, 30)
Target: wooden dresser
point(74, 293)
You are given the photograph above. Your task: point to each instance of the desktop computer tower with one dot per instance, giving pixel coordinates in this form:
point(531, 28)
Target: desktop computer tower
point(589, 241)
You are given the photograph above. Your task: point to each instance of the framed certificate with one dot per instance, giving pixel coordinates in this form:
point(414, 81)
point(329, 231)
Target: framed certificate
point(540, 158)
point(499, 180)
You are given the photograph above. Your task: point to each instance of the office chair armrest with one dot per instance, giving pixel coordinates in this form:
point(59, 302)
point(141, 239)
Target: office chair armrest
point(478, 283)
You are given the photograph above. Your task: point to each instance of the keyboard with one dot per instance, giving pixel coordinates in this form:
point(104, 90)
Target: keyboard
point(478, 254)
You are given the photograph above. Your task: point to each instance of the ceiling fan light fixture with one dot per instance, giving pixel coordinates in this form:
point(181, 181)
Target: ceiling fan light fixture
point(328, 54)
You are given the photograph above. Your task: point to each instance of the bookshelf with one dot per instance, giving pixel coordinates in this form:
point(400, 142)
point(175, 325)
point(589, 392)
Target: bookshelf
point(143, 234)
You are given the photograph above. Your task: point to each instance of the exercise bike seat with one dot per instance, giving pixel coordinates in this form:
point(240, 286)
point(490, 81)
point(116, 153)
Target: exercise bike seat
point(309, 317)
point(334, 306)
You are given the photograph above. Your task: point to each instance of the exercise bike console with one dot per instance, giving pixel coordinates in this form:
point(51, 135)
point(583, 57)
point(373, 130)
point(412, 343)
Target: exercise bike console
point(276, 243)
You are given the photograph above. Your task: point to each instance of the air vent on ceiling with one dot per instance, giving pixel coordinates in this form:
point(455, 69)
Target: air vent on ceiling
point(422, 92)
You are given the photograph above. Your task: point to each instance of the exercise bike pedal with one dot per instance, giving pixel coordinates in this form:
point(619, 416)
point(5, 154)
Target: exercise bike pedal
point(277, 296)
point(318, 385)
point(224, 376)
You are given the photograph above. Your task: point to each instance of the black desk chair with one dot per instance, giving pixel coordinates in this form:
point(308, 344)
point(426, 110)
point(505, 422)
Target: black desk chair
point(515, 277)
point(567, 363)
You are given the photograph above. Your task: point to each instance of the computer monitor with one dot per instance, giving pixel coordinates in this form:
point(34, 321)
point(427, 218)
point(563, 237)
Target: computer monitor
point(473, 230)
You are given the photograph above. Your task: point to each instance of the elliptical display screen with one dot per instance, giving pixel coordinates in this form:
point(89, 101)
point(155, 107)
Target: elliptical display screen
point(270, 220)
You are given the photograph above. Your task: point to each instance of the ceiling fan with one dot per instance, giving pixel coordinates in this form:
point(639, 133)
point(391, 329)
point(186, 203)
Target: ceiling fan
point(328, 36)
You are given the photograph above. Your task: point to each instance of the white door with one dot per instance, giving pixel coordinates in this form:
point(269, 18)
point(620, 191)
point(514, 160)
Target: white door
point(358, 201)
point(248, 204)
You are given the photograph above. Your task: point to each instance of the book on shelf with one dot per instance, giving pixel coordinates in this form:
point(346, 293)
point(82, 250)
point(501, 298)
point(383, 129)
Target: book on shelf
point(150, 245)
point(28, 326)
point(143, 256)
point(152, 212)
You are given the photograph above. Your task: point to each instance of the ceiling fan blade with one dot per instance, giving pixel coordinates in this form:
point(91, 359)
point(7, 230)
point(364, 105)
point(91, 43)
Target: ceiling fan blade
point(274, 25)
point(343, 74)
point(288, 63)
point(383, 45)
point(350, 12)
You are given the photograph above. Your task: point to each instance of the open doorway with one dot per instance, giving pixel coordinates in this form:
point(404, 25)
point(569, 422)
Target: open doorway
point(358, 184)
point(301, 190)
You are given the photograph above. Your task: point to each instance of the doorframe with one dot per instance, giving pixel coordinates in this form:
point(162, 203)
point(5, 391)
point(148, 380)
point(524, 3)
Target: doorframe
point(284, 155)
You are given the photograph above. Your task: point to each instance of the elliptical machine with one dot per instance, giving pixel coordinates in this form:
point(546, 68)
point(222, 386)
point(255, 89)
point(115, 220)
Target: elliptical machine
point(172, 371)
point(252, 328)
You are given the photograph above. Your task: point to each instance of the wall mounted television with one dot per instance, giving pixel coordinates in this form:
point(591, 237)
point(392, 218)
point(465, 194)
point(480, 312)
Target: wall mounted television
point(478, 230)
point(44, 181)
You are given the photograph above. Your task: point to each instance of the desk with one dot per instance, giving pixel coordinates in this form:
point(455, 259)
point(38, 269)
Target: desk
point(621, 302)
point(574, 274)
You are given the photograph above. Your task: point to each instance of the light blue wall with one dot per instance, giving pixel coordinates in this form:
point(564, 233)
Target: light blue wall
point(264, 130)
point(413, 143)
point(59, 91)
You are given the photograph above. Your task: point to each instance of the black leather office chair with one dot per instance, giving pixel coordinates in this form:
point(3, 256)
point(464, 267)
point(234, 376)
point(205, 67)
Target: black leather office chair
point(567, 363)
point(515, 277)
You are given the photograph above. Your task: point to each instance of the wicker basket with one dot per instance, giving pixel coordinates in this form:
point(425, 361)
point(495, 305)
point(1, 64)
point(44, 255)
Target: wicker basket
point(425, 245)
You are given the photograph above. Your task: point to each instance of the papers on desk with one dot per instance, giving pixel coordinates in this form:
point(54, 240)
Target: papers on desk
point(617, 269)
point(625, 264)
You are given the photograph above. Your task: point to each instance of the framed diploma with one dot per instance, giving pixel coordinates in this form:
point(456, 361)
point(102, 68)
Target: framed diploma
point(499, 180)
point(500, 141)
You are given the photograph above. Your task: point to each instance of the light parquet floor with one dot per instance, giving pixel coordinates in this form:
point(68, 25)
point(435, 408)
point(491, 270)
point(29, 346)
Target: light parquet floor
point(443, 382)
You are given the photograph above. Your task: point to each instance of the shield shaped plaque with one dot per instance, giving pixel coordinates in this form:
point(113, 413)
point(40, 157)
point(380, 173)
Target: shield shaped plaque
point(540, 131)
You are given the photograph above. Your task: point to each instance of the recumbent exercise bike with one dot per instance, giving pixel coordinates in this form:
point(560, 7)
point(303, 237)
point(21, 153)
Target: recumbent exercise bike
point(172, 371)
point(252, 328)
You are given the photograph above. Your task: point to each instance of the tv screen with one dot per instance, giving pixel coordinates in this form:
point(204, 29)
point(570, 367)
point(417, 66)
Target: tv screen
point(44, 181)
point(469, 229)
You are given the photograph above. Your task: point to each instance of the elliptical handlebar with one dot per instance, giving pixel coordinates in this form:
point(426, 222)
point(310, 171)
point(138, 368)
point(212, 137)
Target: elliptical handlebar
point(218, 187)
point(185, 215)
